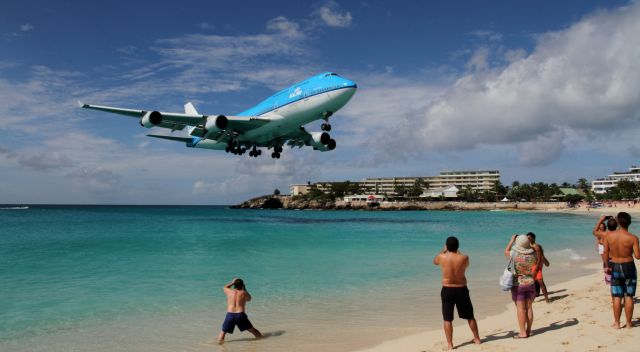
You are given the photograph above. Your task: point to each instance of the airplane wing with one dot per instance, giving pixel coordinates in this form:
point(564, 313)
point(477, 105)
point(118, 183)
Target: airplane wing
point(178, 121)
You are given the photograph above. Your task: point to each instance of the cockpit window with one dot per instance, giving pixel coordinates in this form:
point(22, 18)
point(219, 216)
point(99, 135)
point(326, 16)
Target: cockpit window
point(330, 74)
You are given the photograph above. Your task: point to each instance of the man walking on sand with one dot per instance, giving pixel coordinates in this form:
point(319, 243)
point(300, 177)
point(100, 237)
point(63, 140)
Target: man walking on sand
point(621, 246)
point(454, 289)
point(237, 298)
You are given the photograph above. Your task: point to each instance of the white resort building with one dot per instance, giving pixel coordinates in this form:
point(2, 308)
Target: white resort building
point(602, 185)
point(477, 180)
point(481, 180)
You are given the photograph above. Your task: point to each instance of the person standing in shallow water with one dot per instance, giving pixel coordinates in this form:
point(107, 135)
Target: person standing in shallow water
point(454, 289)
point(523, 291)
point(237, 298)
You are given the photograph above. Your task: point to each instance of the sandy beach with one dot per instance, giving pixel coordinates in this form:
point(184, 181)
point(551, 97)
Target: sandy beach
point(578, 318)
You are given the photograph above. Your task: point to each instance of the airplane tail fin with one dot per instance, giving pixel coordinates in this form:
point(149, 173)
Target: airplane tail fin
point(191, 110)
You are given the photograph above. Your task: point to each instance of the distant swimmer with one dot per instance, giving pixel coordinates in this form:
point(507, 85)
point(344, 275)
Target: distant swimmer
point(454, 289)
point(621, 246)
point(237, 298)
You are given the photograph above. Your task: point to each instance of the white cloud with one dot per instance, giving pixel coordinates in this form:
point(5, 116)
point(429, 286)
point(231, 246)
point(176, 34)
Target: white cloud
point(332, 15)
point(487, 35)
point(543, 150)
point(564, 83)
point(288, 28)
point(479, 61)
point(27, 27)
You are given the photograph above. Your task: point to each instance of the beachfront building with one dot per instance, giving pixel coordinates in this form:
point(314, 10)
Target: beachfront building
point(480, 180)
point(449, 192)
point(602, 185)
point(299, 189)
point(477, 180)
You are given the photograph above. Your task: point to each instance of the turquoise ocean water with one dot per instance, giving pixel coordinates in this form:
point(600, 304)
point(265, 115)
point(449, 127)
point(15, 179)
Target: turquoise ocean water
point(129, 278)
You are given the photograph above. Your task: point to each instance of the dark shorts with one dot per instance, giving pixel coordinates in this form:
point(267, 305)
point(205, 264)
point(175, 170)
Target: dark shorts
point(624, 279)
point(523, 293)
point(458, 297)
point(233, 319)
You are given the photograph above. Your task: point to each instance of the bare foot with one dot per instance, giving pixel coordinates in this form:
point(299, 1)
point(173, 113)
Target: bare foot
point(477, 341)
point(628, 325)
point(220, 342)
point(449, 347)
point(615, 325)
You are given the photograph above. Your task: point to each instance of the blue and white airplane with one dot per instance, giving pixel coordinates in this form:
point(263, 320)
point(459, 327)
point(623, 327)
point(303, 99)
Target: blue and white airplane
point(272, 124)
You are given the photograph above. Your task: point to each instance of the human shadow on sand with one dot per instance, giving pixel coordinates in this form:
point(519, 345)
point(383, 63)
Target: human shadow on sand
point(266, 335)
point(511, 334)
point(555, 298)
point(556, 291)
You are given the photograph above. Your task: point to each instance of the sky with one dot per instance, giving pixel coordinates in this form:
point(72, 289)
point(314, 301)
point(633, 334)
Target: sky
point(539, 90)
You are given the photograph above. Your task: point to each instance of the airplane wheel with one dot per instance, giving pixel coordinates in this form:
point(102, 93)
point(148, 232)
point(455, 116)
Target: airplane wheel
point(332, 144)
point(259, 152)
point(278, 156)
point(323, 127)
point(251, 153)
point(273, 155)
point(326, 127)
point(227, 149)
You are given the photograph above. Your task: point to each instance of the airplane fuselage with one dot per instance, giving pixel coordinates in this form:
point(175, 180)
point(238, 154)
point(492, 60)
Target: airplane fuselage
point(315, 98)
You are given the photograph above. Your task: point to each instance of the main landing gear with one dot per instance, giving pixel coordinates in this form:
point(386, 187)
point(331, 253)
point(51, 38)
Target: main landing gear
point(235, 148)
point(325, 127)
point(255, 152)
point(276, 152)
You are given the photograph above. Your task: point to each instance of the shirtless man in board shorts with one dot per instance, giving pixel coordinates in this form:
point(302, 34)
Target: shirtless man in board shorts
point(237, 298)
point(454, 289)
point(621, 246)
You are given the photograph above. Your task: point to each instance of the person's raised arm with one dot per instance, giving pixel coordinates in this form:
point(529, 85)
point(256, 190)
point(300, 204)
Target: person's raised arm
point(507, 250)
point(227, 287)
point(596, 230)
point(436, 259)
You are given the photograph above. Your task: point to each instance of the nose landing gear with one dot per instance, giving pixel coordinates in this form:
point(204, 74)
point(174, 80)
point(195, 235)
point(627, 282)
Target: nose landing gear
point(326, 126)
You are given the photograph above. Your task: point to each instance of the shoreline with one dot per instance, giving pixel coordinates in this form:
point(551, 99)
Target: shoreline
point(577, 319)
point(287, 203)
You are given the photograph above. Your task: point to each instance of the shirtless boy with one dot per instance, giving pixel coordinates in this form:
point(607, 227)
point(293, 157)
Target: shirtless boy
point(237, 298)
point(621, 246)
point(454, 289)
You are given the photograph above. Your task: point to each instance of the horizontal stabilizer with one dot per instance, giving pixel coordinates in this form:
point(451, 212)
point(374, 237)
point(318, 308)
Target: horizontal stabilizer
point(171, 138)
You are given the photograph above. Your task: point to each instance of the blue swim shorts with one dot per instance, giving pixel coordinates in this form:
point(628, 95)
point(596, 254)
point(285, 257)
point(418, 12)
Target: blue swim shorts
point(624, 279)
point(236, 319)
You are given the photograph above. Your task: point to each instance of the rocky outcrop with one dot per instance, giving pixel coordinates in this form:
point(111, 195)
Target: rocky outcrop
point(286, 202)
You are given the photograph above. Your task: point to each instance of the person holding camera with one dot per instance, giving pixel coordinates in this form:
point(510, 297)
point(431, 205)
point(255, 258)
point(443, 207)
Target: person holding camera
point(237, 298)
point(454, 291)
point(523, 292)
point(621, 246)
point(604, 226)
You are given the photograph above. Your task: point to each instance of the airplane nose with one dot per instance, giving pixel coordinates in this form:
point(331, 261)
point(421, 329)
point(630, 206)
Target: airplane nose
point(350, 84)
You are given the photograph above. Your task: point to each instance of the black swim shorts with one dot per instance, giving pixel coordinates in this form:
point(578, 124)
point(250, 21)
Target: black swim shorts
point(458, 297)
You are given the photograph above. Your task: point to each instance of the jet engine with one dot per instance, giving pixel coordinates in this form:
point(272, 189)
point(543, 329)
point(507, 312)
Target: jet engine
point(215, 124)
point(322, 141)
point(151, 119)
